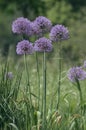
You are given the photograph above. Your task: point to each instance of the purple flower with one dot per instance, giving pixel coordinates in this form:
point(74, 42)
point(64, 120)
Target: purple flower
point(22, 26)
point(76, 73)
point(9, 75)
point(24, 47)
point(59, 33)
point(35, 28)
point(42, 25)
point(43, 44)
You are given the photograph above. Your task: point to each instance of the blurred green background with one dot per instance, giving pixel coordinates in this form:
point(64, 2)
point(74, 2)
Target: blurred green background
point(71, 13)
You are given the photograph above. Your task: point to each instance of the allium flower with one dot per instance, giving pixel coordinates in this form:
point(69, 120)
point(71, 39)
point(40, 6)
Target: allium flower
point(24, 47)
point(59, 33)
point(76, 73)
point(9, 75)
point(42, 25)
point(35, 29)
point(43, 44)
point(21, 26)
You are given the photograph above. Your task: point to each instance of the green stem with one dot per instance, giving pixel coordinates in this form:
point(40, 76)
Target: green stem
point(5, 127)
point(44, 91)
point(59, 75)
point(38, 76)
point(81, 99)
point(28, 89)
point(80, 92)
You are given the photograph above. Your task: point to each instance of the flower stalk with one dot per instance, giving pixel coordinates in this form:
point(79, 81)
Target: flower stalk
point(28, 89)
point(38, 76)
point(59, 74)
point(80, 93)
point(44, 91)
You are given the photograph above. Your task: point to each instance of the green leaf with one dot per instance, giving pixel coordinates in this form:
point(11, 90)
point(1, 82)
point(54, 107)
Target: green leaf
point(14, 126)
point(72, 126)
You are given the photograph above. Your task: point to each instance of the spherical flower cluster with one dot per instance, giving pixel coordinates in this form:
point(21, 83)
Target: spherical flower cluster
point(59, 33)
point(35, 29)
point(24, 47)
point(76, 73)
point(43, 45)
point(9, 75)
point(21, 26)
point(43, 25)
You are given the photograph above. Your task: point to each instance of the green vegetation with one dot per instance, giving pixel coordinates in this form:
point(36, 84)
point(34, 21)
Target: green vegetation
point(61, 12)
point(15, 109)
point(23, 109)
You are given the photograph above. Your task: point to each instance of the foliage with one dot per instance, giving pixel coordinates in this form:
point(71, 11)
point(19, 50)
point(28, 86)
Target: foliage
point(76, 4)
point(68, 12)
point(40, 97)
point(60, 11)
point(13, 99)
point(27, 7)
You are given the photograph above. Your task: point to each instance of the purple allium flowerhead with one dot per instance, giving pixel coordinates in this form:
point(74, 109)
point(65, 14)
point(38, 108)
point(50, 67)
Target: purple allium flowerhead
point(76, 73)
point(24, 47)
point(35, 28)
point(43, 44)
point(59, 33)
point(21, 26)
point(42, 25)
point(9, 75)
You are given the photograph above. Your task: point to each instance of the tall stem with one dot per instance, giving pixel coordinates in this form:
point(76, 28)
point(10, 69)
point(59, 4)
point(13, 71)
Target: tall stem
point(28, 89)
point(80, 93)
point(44, 91)
point(27, 80)
point(81, 100)
point(59, 74)
point(38, 76)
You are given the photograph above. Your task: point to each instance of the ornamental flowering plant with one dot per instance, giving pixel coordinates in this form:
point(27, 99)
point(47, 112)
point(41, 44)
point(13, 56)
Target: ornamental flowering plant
point(43, 45)
point(43, 25)
point(21, 26)
point(75, 75)
point(24, 47)
point(37, 38)
point(59, 33)
point(38, 29)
